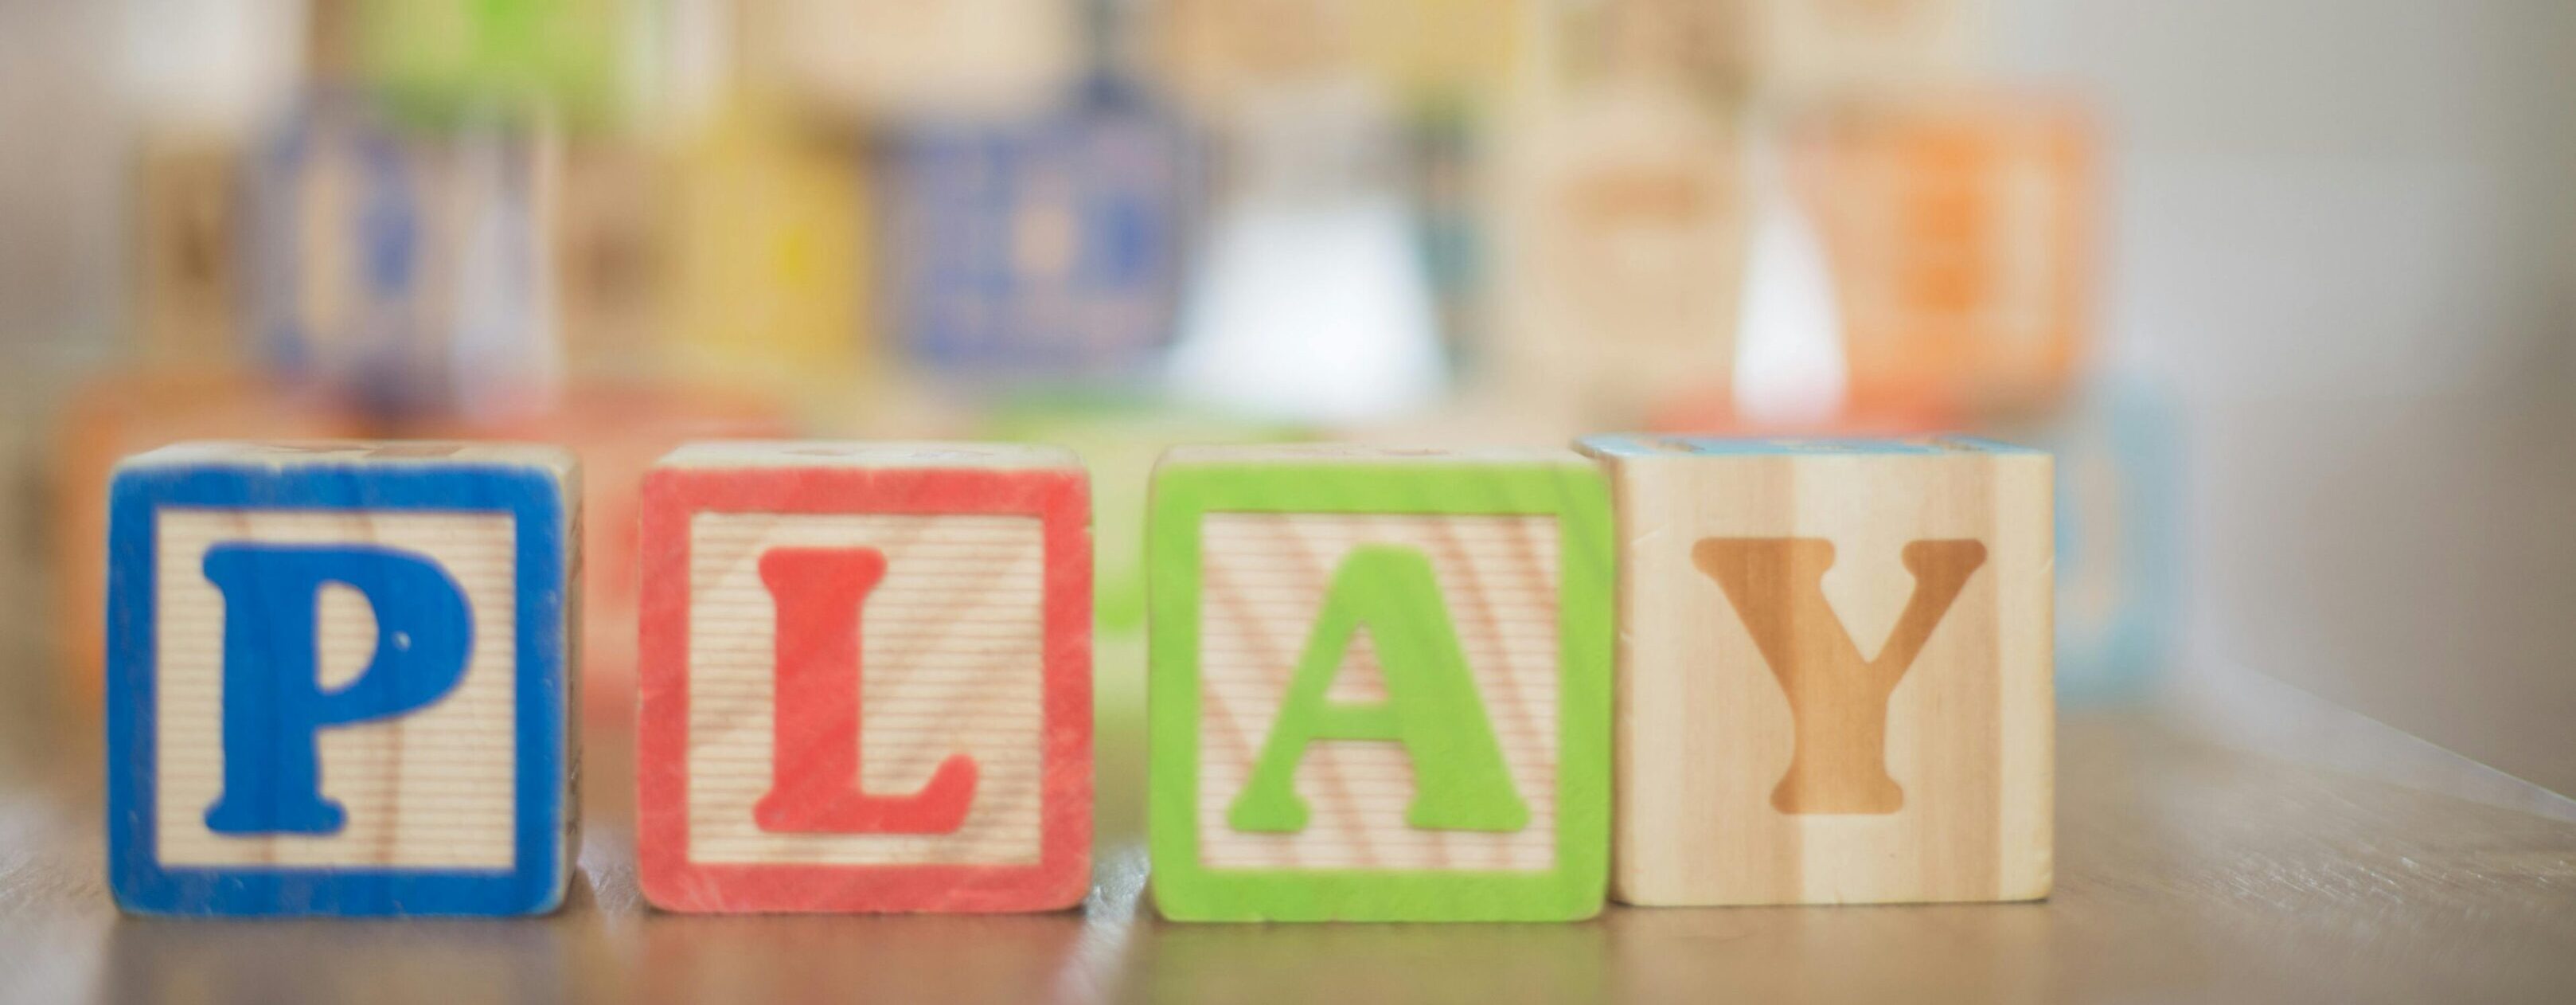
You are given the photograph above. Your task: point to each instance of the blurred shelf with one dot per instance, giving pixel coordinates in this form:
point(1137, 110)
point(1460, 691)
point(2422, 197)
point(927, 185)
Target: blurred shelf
point(2232, 841)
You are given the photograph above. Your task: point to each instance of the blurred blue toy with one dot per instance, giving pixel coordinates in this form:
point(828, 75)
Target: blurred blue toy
point(2119, 546)
point(1046, 249)
point(337, 244)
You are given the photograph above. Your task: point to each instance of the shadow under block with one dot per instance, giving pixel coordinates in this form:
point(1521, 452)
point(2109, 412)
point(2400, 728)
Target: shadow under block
point(337, 679)
point(1379, 686)
point(865, 678)
point(1834, 671)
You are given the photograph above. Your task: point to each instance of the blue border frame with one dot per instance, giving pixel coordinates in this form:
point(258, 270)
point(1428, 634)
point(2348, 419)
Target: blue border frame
point(534, 885)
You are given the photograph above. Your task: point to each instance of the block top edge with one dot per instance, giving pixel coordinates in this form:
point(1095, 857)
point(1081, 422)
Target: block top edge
point(280, 455)
point(722, 454)
point(1620, 446)
point(1255, 454)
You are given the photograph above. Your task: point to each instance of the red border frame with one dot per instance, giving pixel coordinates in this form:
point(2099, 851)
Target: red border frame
point(1059, 497)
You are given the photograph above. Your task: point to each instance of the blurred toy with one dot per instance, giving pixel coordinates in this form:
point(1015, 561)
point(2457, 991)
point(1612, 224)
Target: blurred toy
point(1809, 49)
point(504, 355)
point(769, 257)
point(1760, 753)
point(1044, 249)
point(111, 418)
point(1961, 239)
point(2119, 541)
point(188, 246)
point(340, 250)
point(866, 679)
point(476, 60)
point(1698, 49)
point(905, 60)
point(1307, 594)
point(1450, 184)
point(608, 258)
point(389, 620)
point(1624, 250)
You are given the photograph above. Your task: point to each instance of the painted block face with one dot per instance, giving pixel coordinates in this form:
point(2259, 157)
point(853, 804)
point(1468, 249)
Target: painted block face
point(336, 679)
point(1961, 236)
point(866, 678)
point(1379, 686)
point(1050, 248)
point(1834, 671)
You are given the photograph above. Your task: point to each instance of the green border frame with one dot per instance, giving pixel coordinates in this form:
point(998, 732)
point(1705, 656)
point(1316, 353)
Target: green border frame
point(1576, 493)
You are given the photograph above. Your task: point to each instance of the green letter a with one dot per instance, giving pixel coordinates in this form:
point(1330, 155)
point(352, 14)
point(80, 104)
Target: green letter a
point(1431, 704)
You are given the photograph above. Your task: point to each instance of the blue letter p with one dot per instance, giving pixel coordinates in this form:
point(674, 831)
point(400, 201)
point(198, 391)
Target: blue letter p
point(274, 704)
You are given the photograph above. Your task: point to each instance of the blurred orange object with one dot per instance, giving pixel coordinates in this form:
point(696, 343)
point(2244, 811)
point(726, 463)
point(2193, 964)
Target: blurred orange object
point(1960, 233)
point(1713, 412)
point(125, 414)
point(618, 431)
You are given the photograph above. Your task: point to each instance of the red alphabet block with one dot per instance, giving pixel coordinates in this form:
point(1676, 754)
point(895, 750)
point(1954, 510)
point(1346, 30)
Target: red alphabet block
point(865, 678)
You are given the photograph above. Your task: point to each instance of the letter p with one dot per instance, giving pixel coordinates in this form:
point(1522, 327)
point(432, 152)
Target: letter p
point(274, 704)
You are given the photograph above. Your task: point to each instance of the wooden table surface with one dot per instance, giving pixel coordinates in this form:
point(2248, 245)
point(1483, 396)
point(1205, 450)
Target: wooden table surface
point(2235, 842)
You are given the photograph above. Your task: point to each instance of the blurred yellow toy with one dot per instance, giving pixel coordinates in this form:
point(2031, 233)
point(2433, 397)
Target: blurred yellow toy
point(769, 257)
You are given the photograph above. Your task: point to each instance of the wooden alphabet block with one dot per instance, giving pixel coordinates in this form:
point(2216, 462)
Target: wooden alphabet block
point(336, 679)
point(1379, 684)
point(1045, 248)
point(1961, 233)
point(1834, 671)
point(866, 678)
point(767, 234)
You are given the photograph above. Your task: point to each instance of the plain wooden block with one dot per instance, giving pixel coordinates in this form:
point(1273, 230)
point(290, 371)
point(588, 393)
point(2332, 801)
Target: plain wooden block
point(866, 678)
point(336, 679)
point(1379, 684)
point(1834, 670)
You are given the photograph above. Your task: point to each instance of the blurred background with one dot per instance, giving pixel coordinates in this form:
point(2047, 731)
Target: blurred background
point(2287, 283)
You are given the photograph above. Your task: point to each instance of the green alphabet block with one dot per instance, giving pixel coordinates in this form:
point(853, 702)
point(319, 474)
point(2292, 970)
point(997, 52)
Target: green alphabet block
point(1380, 684)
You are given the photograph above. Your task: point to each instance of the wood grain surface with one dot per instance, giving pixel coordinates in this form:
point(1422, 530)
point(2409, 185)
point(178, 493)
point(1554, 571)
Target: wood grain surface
point(2251, 844)
point(1835, 672)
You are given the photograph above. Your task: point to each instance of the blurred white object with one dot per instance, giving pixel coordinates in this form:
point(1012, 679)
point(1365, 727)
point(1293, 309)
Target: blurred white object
point(504, 353)
point(1315, 304)
point(1789, 367)
point(218, 65)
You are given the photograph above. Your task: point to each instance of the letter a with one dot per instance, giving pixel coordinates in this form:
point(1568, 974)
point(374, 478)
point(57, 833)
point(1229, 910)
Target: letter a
point(1431, 705)
point(274, 705)
point(815, 740)
point(1837, 701)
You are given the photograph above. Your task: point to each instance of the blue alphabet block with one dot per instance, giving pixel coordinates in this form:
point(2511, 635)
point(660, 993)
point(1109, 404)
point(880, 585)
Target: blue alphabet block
point(1044, 249)
point(337, 679)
